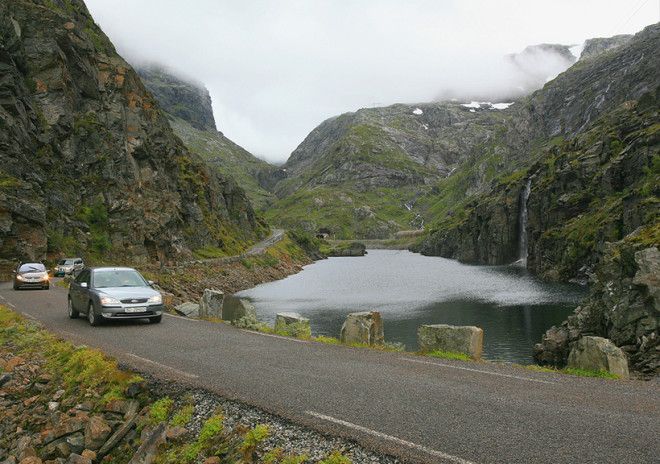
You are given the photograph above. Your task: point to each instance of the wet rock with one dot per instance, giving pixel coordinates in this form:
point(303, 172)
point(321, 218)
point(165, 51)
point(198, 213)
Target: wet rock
point(456, 339)
point(31, 460)
point(211, 303)
point(363, 328)
point(97, 432)
point(78, 459)
point(4, 378)
point(235, 308)
point(598, 354)
point(148, 450)
point(188, 309)
point(176, 433)
point(292, 324)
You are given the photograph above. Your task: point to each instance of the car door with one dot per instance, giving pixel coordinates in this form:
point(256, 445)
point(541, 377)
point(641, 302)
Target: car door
point(79, 291)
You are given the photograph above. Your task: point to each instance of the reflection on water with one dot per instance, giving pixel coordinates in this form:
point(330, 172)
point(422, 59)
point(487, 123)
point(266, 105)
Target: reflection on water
point(512, 307)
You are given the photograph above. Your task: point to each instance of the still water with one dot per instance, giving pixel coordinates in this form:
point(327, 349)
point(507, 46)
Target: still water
point(513, 307)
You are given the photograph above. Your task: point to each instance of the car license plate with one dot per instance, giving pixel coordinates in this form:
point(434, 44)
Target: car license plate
point(139, 309)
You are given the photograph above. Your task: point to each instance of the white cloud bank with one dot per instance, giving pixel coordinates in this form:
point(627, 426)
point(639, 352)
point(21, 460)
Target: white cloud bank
point(276, 69)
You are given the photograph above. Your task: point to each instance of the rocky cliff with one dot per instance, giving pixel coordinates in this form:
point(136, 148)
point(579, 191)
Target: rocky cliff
point(188, 107)
point(592, 166)
point(89, 162)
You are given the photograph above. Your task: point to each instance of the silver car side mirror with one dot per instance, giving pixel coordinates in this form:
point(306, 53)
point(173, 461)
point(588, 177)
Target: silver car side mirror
point(151, 283)
point(83, 284)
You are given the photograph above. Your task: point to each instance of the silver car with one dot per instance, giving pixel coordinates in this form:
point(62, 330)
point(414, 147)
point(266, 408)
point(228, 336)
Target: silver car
point(68, 266)
point(31, 275)
point(106, 293)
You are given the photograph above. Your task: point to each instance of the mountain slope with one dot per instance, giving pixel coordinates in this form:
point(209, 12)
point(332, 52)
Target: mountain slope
point(592, 168)
point(89, 162)
point(189, 111)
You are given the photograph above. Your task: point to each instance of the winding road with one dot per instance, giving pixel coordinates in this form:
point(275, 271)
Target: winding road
point(421, 409)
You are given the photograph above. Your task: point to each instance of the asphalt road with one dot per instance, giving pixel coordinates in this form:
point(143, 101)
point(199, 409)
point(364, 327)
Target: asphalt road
point(421, 409)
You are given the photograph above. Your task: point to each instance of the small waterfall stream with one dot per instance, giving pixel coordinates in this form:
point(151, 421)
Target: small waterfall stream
point(522, 223)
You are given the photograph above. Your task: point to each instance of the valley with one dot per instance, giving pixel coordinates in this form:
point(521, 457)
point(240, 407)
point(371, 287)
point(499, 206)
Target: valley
point(521, 221)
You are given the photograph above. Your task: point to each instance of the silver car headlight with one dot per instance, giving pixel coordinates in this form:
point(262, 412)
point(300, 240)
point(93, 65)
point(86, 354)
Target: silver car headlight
point(156, 299)
point(20, 277)
point(109, 301)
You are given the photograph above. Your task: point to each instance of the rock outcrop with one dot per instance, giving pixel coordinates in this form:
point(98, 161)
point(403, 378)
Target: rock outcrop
point(188, 106)
point(623, 306)
point(598, 354)
point(89, 162)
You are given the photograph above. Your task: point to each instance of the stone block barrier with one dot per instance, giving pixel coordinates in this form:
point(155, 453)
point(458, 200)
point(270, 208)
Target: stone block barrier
point(235, 308)
point(468, 340)
point(211, 303)
point(363, 328)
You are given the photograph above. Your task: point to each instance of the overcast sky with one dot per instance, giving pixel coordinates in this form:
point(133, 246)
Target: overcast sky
point(276, 69)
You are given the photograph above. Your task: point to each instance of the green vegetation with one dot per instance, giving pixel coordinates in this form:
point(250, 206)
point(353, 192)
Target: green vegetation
point(183, 415)
point(160, 410)
point(79, 369)
point(228, 158)
point(449, 355)
point(96, 217)
point(588, 373)
point(572, 371)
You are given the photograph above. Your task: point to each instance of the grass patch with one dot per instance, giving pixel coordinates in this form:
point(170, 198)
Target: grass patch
point(449, 355)
point(589, 373)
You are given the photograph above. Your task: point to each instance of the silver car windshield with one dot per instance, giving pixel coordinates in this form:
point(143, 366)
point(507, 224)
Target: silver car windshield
point(33, 267)
point(66, 262)
point(118, 278)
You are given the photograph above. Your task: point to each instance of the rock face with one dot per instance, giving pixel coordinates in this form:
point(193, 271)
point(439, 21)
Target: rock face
point(235, 308)
point(363, 328)
point(179, 97)
point(211, 303)
point(467, 340)
point(623, 307)
point(598, 354)
point(89, 162)
point(292, 324)
point(188, 106)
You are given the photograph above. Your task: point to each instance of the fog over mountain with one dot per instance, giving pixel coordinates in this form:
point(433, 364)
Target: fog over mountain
point(277, 69)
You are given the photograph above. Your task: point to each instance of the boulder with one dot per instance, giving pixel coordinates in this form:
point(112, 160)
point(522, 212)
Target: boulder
point(188, 309)
point(456, 339)
point(598, 354)
point(363, 328)
point(292, 324)
point(235, 308)
point(97, 432)
point(211, 303)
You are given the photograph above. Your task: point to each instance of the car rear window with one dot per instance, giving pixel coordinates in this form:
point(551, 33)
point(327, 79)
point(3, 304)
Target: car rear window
point(31, 267)
point(118, 278)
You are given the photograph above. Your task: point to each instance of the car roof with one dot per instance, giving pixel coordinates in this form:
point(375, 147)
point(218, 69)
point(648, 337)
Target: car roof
point(71, 258)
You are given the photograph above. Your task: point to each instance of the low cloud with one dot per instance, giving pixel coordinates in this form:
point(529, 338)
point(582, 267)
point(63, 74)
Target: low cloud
point(276, 69)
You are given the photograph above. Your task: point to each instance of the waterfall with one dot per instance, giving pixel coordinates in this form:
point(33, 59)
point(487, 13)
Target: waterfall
point(522, 223)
